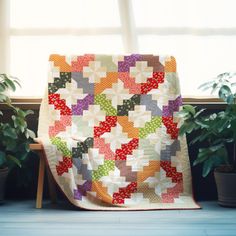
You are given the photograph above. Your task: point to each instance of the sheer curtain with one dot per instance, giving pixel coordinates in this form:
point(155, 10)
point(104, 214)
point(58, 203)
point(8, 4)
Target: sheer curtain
point(201, 34)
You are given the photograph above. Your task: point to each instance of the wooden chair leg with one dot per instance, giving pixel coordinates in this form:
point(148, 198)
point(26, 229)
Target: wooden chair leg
point(52, 187)
point(40, 181)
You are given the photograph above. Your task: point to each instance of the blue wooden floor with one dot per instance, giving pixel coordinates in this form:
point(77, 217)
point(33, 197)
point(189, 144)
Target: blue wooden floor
point(22, 219)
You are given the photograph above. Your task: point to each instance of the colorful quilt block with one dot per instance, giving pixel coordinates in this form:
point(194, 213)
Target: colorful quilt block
point(109, 61)
point(83, 83)
point(110, 132)
point(105, 104)
point(106, 82)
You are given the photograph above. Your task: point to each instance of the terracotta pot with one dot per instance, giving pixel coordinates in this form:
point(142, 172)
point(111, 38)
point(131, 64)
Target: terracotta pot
point(226, 187)
point(3, 177)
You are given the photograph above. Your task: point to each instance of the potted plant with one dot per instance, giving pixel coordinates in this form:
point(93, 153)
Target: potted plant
point(14, 134)
point(216, 133)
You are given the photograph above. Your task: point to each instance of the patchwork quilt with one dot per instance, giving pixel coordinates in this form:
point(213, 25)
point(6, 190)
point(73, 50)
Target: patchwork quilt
point(109, 129)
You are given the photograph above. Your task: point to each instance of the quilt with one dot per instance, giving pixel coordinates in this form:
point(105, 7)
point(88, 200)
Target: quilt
point(109, 129)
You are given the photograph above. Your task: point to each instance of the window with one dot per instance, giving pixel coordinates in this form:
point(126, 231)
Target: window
point(201, 34)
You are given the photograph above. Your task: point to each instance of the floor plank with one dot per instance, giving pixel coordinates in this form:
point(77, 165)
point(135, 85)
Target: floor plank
point(21, 218)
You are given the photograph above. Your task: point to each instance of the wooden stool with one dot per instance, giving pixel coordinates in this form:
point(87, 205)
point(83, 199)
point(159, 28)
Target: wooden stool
point(42, 165)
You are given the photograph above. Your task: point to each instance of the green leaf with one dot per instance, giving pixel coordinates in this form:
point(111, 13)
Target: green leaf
point(27, 148)
point(207, 167)
point(184, 114)
point(2, 87)
point(196, 139)
point(202, 124)
point(2, 158)
point(10, 144)
point(190, 109)
point(206, 85)
point(10, 84)
point(224, 92)
point(200, 158)
point(3, 98)
point(216, 147)
point(31, 133)
point(199, 112)
point(187, 127)
point(10, 132)
point(16, 82)
point(216, 159)
point(214, 88)
point(13, 159)
point(23, 156)
point(28, 112)
point(222, 125)
point(230, 99)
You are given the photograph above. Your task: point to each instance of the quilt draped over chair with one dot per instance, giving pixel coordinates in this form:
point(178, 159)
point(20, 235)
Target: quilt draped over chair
point(109, 130)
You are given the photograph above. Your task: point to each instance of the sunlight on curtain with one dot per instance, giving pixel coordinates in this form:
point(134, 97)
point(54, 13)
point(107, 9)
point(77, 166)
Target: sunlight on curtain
point(29, 53)
point(201, 34)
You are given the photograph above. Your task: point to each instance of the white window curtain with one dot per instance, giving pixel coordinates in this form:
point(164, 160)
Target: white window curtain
point(201, 34)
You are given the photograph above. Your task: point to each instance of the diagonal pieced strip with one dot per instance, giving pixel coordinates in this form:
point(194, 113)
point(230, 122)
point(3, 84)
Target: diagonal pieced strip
point(148, 171)
point(88, 88)
point(150, 127)
point(82, 169)
point(64, 165)
point(126, 149)
point(171, 127)
point(103, 170)
point(104, 148)
point(170, 65)
point(119, 197)
point(105, 104)
point(171, 171)
point(153, 82)
point(148, 193)
point(65, 77)
point(101, 191)
point(82, 190)
point(126, 171)
point(59, 125)
point(81, 61)
point(128, 127)
point(106, 82)
point(60, 61)
point(172, 106)
point(128, 105)
point(82, 104)
point(129, 61)
point(151, 105)
point(105, 126)
point(154, 62)
point(170, 150)
point(129, 83)
point(59, 104)
point(61, 146)
point(82, 147)
point(172, 193)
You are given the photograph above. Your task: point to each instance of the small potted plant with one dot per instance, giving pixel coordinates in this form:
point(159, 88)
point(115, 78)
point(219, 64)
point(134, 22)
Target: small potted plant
point(216, 133)
point(14, 134)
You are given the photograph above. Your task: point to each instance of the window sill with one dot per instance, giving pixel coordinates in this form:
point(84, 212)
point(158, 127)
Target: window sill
point(186, 100)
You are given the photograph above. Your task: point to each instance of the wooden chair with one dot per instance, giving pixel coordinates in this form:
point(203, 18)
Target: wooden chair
point(41, 173)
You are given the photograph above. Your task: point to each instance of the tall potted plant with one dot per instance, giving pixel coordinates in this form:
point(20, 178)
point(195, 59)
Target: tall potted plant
point(216, 133)
point(14, 134)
